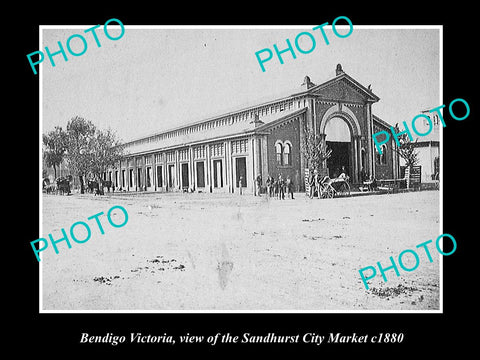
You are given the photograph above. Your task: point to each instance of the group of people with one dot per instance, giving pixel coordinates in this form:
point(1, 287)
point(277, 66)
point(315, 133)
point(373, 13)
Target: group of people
point(275, 187)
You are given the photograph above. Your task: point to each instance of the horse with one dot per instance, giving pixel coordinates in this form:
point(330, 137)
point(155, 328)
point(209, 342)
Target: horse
point(63, 185)
point(108, 184)
point(93, 187)
point(47, 186)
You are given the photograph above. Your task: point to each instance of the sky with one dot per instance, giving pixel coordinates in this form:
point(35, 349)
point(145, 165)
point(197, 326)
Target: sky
point(154, 79)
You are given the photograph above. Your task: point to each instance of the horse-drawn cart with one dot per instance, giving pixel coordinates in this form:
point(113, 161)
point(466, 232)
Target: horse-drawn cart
point(340, 186)
point(330, 188)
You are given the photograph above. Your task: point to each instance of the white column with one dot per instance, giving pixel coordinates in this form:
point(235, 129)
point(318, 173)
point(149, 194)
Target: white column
point(191, 166)
point(264, 157)
point(164, 171)
point(208, 168)
point(177, 171)
point(226, 156)
point(254, 161)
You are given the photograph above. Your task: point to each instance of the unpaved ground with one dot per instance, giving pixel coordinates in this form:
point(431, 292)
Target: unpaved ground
point(231, 252)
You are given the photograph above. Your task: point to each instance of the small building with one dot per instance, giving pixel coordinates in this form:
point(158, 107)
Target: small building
point(427, 147)
point(264, 139)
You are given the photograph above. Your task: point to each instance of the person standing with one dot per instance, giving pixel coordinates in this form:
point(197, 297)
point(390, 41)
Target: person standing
point(275, 187)
point(289, 187)
point(318, 184)
point(311, 182)
point(281, 187)
point(269, 186)
point(258, 184)
point(240, 185)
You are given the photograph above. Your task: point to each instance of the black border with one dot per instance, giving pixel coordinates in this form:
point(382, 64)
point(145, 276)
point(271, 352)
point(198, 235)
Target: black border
point(429, 334)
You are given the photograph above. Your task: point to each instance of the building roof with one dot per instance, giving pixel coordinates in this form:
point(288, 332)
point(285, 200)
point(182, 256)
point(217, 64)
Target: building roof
point(273, 120)
point(241, 121)
point(381, 122)
point(343, 76)
point(206, 133)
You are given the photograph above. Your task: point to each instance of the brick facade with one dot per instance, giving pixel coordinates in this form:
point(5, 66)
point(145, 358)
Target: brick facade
point(264, 140)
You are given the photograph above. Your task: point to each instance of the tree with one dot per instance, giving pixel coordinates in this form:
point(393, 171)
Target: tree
point(406, 150)
point(79, 136)
point(55, 143)
point(315, 150)
point(106, 152)
point(90, 151)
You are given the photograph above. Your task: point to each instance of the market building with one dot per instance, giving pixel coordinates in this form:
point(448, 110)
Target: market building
point(214, 154)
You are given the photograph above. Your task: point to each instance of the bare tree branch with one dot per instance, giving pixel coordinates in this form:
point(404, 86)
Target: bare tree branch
point(315, 150)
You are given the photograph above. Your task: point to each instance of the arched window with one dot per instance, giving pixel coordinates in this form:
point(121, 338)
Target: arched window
point(383, 157)
point(279, 151)
point(287, 154)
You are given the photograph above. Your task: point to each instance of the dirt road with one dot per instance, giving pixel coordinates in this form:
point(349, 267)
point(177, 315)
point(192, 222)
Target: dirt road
point(232, 252)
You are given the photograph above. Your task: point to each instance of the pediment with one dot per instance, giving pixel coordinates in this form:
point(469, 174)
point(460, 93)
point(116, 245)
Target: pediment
point(344, 89)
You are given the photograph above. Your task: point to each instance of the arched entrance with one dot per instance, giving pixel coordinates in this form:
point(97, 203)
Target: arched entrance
point(338, 138)
point(340, 129)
